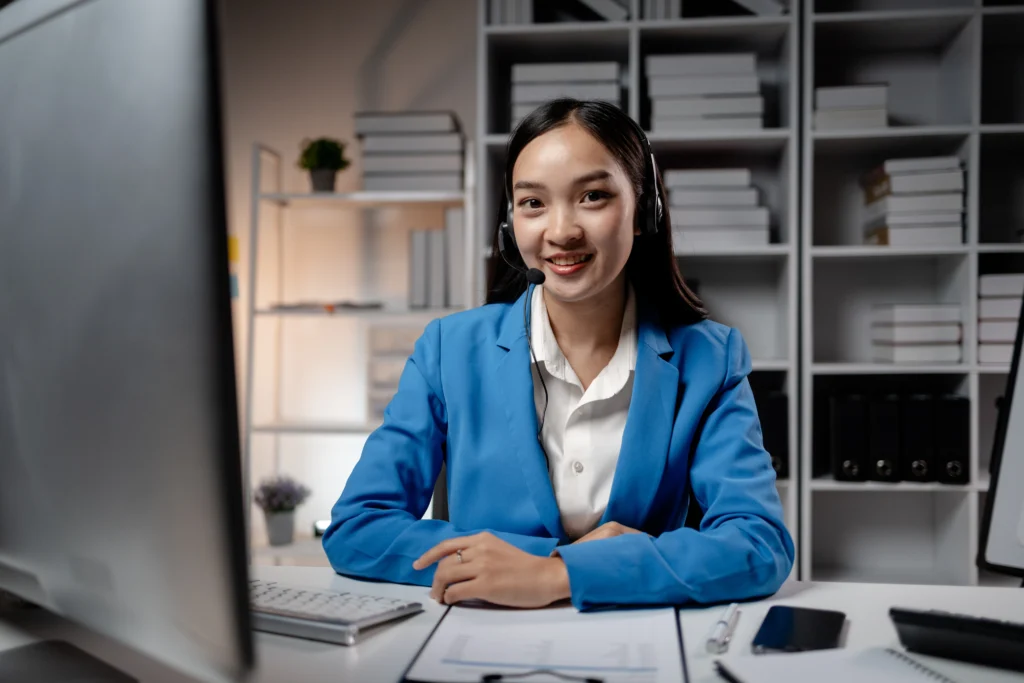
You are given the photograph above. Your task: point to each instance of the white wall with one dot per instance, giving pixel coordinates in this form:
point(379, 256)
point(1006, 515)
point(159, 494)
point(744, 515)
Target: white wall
point(301, 68)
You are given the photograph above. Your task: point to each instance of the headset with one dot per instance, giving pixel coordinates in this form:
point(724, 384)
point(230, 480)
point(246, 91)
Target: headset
point(648, 219)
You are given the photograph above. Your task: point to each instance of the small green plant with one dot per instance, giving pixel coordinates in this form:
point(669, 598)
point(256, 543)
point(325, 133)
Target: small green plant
point(323, 153)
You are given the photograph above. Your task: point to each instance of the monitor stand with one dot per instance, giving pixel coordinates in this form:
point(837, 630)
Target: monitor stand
point(55, 661)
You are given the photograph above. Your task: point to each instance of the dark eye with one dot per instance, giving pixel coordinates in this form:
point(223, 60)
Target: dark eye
point(596, 195)
point(530, 203)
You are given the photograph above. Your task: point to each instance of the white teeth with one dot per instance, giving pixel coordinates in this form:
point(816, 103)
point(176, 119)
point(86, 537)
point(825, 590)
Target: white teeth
point(570, 260)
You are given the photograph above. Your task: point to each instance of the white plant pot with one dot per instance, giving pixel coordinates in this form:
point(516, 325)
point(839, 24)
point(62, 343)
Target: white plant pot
point(280, 527)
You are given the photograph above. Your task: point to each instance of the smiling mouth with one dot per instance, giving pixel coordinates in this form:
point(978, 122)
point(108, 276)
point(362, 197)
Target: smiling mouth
point(570, 260)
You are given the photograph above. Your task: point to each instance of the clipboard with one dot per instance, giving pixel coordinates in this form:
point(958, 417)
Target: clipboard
point(626, 627)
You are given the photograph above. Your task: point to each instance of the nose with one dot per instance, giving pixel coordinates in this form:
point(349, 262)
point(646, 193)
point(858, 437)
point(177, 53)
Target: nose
point(563, 228)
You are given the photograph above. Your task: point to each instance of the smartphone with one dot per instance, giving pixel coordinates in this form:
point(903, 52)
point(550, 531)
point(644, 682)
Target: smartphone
point(798, 629)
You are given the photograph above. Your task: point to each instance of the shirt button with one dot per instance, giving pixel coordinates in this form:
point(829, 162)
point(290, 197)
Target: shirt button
point(577, 466)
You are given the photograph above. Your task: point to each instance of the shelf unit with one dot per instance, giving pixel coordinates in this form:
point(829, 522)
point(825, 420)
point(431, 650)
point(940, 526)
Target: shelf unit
point(950, 65)
point(755, 289)
point(267, 419)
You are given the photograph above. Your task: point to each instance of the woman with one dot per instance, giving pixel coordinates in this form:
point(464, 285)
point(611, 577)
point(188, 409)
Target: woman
point(575, 418)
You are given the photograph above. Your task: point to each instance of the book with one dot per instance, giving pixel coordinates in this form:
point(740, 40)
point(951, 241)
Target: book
point(917, 334)
point(916, 353)
point(997, 331)
point(710, 177)
point(608, 9)
point(586, 90)
point(918, 164)
point(995, 353)
point(708, 218)
point(895, 218)
point(455, 229)
point(909, 314)
point(419, 263)
point(687, 239)
point(671, 107)
point(706, 123)
point(915, 236)
point(840, 119)
point(437, 271)
point(565, 72)
point(733, 63)
point(412, 163)
point(369, 122)
point(676, 86)
point(1008, 284)
point(835, 665)
point(852, 97)
point(711, 197)
point(914, 203)
point(999, 308)
point(876, 186)
point(412, 182)
point(409, 144)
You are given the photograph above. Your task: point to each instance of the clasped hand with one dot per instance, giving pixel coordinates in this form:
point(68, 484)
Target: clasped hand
point(484, 567)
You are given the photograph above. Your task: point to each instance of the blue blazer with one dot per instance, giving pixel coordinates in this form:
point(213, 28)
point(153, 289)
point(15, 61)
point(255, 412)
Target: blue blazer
point(466, 398)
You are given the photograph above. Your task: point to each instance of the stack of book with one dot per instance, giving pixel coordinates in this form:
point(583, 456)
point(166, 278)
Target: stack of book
point(704, 92)
point(411, 151)
point(999, 302)
point(662, 9)
point(534, 84)
point(390, 346)
point(917, 333)
point(715, 209)
point(851, 106)
point(437, 264)
point(914, 202)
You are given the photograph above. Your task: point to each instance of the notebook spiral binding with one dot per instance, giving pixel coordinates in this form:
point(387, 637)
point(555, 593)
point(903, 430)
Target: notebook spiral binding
point(928, 671)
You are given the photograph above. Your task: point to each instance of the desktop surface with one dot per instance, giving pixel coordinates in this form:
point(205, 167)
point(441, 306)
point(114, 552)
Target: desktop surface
point(384, 655)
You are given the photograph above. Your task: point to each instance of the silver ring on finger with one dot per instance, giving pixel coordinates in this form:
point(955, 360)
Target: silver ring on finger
point(458, 553)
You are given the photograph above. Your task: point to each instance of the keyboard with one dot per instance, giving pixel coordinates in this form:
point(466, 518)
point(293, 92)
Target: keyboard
point(332, 616)
point(979, 640)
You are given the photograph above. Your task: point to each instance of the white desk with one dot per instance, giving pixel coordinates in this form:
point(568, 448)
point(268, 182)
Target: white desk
point(382, 657)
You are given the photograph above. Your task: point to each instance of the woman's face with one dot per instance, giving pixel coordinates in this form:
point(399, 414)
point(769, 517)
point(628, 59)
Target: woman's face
point(573, 212)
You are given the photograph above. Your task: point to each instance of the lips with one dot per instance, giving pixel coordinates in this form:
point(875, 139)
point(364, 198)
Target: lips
point(568, 264)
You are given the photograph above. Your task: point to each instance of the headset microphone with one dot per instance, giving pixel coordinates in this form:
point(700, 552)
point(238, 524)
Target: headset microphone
point(534, 276)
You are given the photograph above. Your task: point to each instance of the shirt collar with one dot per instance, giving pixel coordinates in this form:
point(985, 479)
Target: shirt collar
point(546, 350)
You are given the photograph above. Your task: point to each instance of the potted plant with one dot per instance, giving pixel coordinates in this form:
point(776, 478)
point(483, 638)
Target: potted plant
point(278, 497)
point(323, 158)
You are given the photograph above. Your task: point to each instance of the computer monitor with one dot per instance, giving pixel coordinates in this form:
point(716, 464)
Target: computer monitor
point(120, 480)
point(1001, 547)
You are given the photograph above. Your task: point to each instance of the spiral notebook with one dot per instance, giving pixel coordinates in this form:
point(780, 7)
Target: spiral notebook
point(877, 665)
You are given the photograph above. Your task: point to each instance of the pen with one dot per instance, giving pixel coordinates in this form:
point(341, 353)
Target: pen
point(721, 632)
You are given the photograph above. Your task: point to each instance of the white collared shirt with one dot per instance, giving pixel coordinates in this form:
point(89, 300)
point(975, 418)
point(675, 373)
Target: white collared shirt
point(582, 430)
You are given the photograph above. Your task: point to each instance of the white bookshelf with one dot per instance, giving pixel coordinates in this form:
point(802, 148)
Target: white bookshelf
point(270, 224)
point(753, 289)
point(950, 66)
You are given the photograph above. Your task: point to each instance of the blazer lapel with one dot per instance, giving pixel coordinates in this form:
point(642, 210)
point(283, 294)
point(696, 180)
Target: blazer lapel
point(645, 440)
point(515, 379)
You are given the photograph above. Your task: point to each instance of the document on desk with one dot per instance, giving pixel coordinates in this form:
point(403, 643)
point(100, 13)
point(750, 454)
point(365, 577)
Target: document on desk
point(621, 646)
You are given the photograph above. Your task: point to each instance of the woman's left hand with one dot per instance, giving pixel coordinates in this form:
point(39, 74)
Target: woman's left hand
point(493, 570)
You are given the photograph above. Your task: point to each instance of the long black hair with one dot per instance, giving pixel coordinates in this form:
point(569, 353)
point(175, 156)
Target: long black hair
point(652, 268)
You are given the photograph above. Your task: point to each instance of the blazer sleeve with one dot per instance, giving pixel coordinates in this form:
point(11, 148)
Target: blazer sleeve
point(376, 530)
point(742, 549)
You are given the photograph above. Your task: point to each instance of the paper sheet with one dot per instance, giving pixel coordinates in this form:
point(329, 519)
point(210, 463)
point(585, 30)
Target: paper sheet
point(621, 646)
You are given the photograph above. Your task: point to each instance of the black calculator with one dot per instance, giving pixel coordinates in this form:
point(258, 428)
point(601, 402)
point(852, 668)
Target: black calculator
point(978, 640)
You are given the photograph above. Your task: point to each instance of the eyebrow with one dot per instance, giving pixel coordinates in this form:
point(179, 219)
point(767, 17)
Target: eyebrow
point(585, 178)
